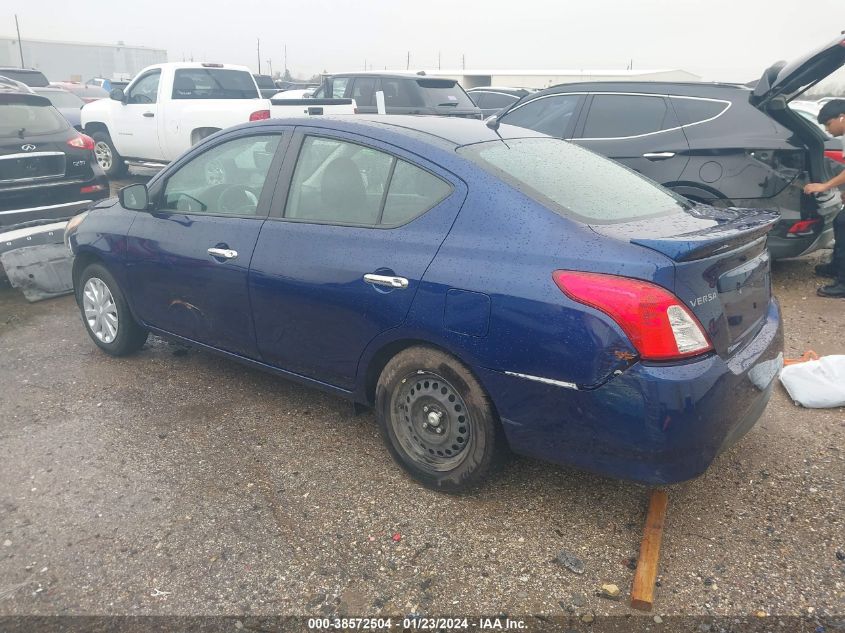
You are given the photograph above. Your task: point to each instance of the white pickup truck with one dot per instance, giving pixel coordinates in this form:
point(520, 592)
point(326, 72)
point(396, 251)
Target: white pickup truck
point(168, 108)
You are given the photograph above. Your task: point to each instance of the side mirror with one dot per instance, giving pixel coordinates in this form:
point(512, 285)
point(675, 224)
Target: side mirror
point(117, 95)
point(134, 197)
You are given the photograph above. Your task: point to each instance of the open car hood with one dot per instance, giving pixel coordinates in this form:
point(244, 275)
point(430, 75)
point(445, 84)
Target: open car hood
point(790, 79)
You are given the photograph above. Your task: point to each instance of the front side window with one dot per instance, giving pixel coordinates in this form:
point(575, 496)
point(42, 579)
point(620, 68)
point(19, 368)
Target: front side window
point(213, 83)
point(225, 180)
point(338, 182)
point(338, 87)
point(615, 116)
point(145, 89)
point(548, 115)
point(574, 181)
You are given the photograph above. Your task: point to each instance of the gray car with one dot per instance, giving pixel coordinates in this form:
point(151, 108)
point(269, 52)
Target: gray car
point(65, 102)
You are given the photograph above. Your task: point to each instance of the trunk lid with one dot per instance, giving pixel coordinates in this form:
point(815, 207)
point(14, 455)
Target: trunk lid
point(721, 265)
point(790, 79)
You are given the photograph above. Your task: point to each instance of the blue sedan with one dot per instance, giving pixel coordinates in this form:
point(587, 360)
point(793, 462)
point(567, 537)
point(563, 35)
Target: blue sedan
point(482, 289)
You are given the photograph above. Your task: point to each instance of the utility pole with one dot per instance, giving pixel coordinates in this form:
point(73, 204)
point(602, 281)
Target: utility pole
point(20, 44)
point(438, 60)
point(464, 61)
point(408, 63)
point(286, 57)
point(259, 54)
point(270, 64)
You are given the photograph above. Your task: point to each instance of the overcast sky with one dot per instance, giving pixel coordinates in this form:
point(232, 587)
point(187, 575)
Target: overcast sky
point(728, 40)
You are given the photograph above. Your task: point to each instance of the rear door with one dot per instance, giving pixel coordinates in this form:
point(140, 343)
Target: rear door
point(342, 255)
point(363, 90)
point(640, 131)
point(187, 260)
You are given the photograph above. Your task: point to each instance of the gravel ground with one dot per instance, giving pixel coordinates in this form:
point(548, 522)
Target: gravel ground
point(175, 482)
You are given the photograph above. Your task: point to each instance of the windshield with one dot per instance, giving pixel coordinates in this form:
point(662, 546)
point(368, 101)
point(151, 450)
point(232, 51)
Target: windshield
point(574, 181)
point(22, 120)
point(444, 92)
point(62, 99)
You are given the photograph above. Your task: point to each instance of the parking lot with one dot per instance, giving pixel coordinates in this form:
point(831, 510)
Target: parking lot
point(175, 482)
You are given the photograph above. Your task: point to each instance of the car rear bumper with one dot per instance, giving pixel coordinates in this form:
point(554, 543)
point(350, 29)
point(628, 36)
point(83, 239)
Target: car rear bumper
point(783, 247)
point(655, 424)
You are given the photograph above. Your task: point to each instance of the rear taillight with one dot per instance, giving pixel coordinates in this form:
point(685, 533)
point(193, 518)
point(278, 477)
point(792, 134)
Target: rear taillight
point(835, 154)
point(260, 115)
point(658, 323)
point(803, 228)
point(82, 141)
point(91, 188)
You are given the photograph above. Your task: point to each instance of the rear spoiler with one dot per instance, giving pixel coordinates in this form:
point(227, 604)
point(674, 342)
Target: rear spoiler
point(736, 228)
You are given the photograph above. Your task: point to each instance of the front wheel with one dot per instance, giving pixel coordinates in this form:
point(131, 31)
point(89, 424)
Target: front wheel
point(106, 314)
point(107, 157)
point(437, 421)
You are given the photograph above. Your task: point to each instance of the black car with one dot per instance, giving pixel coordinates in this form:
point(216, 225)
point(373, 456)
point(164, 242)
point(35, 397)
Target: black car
point(719, 144)
point(403, 94)
point(27, 76)
point(494, 99)
point(47, 168)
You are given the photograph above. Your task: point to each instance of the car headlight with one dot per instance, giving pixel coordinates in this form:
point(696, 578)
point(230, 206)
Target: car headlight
point(72, 225)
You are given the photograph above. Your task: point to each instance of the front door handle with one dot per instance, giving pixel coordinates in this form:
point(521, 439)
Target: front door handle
point(223, 253)
point(658, 155)
point(149, 115)
point(384, 280)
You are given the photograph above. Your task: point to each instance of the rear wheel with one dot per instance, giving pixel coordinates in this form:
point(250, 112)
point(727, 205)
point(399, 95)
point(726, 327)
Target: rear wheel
point(107, 157)
point(106, 314)
point(437, 421)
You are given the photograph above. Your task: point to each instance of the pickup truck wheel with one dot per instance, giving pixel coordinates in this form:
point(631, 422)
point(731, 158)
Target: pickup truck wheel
point(437, 420)
point(107, 157)
point(106, 314)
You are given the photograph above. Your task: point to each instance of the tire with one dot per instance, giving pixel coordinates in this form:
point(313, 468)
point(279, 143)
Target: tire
point(105, 313)
point(437, 421)
point(107, 157)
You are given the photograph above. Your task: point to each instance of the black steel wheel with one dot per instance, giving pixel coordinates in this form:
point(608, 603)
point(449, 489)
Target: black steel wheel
point(437, 421)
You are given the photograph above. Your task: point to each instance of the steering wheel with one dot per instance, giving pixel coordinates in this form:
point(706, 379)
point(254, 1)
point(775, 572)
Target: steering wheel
point(237, 199)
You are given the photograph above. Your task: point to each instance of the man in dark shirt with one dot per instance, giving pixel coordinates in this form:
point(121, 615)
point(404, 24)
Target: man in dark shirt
point(832, 116)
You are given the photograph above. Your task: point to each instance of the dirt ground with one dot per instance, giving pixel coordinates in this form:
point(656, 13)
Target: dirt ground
point(176, 482)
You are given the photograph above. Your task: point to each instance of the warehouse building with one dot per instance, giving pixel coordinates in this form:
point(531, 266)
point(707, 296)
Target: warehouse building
point(76, 61)
point(545, 78)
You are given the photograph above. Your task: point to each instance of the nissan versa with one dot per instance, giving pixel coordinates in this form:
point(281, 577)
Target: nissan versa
point(481, 289)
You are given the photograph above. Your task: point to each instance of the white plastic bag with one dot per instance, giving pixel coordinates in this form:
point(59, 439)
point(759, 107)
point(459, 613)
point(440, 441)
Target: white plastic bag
point(816, 384)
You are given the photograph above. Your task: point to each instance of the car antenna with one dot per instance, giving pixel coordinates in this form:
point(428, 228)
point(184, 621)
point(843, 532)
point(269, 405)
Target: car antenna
point(493, 124)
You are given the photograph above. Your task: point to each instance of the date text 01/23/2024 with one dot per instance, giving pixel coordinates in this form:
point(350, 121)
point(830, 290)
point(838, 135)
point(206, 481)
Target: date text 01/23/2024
point(414, 623)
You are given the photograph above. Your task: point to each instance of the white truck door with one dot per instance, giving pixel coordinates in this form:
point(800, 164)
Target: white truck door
point(135, 133)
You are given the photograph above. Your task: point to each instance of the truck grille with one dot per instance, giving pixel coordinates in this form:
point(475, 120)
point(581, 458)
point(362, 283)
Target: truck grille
point(18, 168)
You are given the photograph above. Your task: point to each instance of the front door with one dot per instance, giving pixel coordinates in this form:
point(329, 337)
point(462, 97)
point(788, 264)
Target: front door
point(135, 133)
point(355, 231)
point(188, 260)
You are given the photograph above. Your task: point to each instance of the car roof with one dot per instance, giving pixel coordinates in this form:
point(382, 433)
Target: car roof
point(444, 131)
point(648, 87)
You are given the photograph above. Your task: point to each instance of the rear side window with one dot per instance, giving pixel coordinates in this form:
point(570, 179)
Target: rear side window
point(444, 92)
point(574, 181)
point(213, 83)
point(337, 182)
point(697, 110)
point(22, 120)
point(337, 87)
point(549, 115)
point(490, 100)
point(364, 91)
point(614, 116)
point(33, 79)
point(400, 93)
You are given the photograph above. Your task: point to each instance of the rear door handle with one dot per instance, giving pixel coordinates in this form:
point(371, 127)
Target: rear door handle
point(223, 253)
point(149, 115)
point(658, 155)
point(388, 282)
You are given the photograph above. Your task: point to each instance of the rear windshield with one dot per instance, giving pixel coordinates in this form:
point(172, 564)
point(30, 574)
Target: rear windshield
point(22, 120)
point(34, 79)
point(62, 99)
point(444, 92)
point(213, 83)
point(574, 181)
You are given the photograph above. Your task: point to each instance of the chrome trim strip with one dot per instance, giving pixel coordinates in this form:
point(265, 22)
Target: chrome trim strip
point(66, 205)
point(728, 104)
point(545, 381)
point(30, 155)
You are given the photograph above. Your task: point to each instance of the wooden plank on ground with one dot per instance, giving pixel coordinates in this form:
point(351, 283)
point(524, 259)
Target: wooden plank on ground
point(642, 591)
